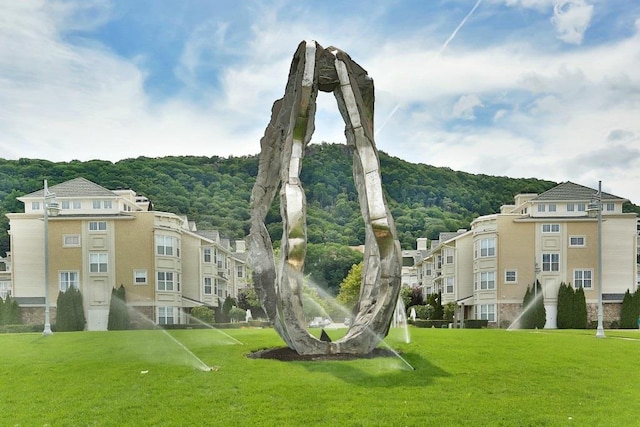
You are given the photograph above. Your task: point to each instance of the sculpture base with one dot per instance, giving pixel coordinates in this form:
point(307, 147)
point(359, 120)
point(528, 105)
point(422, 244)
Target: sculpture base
point(285, 354)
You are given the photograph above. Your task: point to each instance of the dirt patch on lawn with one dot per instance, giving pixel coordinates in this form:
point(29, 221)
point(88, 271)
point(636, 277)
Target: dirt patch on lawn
point(286, 354)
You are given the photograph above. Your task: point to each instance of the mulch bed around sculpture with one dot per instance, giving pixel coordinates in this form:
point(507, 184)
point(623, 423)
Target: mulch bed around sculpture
point(285, 354)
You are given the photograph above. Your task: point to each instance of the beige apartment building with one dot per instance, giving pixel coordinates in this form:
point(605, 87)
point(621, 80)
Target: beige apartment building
point(99, 239)
point(551, 238)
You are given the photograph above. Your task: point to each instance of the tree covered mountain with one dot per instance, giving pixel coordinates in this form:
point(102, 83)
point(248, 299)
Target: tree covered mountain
point(215, 192)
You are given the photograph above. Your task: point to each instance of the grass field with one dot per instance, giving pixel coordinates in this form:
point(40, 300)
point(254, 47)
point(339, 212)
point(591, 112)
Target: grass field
point(461, 377)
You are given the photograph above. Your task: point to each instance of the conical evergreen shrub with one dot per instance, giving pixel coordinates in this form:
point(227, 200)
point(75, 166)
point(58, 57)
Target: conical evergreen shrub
point(563, 320)
point(539, 312)
point(580, 309)
point(628, 319)
point(118, 312)
point(70, 311)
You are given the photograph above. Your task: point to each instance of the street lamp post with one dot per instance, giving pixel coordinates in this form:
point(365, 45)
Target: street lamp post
point(49, 203)
point(596, 207)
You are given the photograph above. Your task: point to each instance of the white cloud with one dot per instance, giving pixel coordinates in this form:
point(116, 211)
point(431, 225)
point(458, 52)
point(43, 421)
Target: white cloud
point(571, 19)
point(554, 112)
point(465, 105)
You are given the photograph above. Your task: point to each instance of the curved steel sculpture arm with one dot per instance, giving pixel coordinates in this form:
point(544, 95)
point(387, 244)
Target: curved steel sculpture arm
point(282, 151)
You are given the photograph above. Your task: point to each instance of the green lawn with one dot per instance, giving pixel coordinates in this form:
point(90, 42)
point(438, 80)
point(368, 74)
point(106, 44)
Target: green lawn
point(461, 377)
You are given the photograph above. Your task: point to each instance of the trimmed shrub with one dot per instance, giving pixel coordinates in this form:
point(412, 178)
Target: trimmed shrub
point(9, 312)
point(70, 311)
point(419, 323)
point(476, 323)
point(565, 306)
point(628, 318)
point(534, 314)
point(580, 310)
point(237, 314)
point(118, 312)
point(202, 313)
point(449, 311)
point(422, 311)
point(435, 301)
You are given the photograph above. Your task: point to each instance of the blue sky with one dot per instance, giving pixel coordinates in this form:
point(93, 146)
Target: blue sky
point(521, 88)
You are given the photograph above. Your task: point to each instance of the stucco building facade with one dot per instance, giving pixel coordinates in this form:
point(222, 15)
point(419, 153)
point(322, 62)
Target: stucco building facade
point(100, 239)
point(550, 238)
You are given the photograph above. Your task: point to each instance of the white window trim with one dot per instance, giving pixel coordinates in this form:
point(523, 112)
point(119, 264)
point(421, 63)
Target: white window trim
point(75, 284)
point(584, 242)
point(99, 226)
point(136, 277)
point(551, 263)
point(553, 228)
point(583, 270)
point(490, 283)
point(166, 312)
point(161, 243)
point(103, 259)
point(65, 244)
point(165, 281)
point(209, 285)
point(515, 274)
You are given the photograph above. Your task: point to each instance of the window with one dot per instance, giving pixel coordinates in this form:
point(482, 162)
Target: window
point(221, 290)
point(449, 285)
point(107, 204)
point(207, 286)
point(216, 288)
point(207, 255)
point(71, 240)
point(550, 262)
point(582, 207)
point(576, 240)
point(5, 289)
point(487, 247)
point(68, 279)
point(164, 245)
point(139, 277)
point(239, 271)
point(428, 268)
point(550, 228)
point(165, 280)
point(96, 204)
point(541, 208)
point(97, 225)
point(570, 207)
point(448, 256)
point(552, 207)
point(510, 276)
point(70, 204)
point(35, 206)
point(488, 312)
point(583, 279)
point(98, 263)
point(487, 280)
point(166, 315)
point(610, 207)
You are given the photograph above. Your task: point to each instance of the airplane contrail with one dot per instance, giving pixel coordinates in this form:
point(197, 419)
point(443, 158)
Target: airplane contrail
point(444, 46)
point(446, 43)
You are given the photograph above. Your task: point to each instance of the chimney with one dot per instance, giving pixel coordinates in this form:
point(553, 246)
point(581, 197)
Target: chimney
point(422, 243)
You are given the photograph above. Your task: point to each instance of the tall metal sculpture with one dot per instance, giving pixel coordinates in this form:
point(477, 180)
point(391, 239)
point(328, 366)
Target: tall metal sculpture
point(282, 151)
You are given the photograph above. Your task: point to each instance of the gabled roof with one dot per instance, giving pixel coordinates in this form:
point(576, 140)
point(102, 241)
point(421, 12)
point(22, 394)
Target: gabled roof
point(78, 187)
point(570, 191)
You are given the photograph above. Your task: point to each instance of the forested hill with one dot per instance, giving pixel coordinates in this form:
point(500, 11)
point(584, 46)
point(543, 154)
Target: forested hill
point(215, 192)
